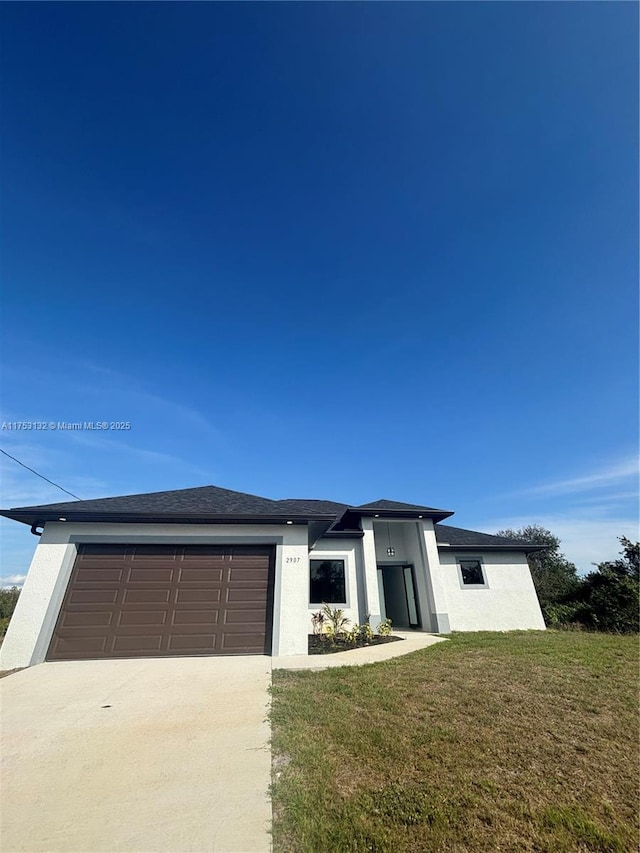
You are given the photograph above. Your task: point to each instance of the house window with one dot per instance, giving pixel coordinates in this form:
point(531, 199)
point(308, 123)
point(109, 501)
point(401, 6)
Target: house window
point(471, 573)
point(327, 582)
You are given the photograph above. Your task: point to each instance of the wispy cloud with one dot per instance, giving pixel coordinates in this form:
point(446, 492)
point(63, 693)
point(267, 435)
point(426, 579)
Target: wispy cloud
point(588, 536)
point(610, 498)
point(612, 476)
point(12, 580)
point(124, 388)
point(102, 441)
point(19, 487)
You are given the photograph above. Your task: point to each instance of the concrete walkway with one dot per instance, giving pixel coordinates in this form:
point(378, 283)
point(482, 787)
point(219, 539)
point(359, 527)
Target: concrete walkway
point(411, 641)
point(167, 755)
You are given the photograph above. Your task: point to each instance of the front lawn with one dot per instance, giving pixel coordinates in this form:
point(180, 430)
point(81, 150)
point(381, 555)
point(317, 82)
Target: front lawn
point(489, 742)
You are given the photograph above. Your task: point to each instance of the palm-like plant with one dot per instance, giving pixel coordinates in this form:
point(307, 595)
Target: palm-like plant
point(337, 621)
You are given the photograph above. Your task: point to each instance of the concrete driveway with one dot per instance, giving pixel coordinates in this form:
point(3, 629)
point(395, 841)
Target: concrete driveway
point(145, 756)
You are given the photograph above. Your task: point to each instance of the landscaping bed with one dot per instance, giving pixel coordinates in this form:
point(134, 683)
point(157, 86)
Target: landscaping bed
point(324, 645)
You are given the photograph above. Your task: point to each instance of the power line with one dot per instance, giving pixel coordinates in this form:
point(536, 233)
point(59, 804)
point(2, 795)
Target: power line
point(42, 477)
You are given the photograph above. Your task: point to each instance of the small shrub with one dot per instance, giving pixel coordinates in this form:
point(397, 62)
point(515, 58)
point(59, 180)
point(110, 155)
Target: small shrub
point(384, 628)
point(353, 636)
point(560, 615)
point(366, 634)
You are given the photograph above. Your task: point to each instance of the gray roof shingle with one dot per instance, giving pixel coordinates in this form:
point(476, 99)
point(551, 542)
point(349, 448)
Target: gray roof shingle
point(385, 504)
point(302, 505)
point(462, 538)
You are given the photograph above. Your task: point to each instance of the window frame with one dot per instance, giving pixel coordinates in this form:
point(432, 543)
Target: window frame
point(331, 559)
point(468, 559)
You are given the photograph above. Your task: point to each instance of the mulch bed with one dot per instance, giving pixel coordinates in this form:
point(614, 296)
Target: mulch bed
point(323, 645)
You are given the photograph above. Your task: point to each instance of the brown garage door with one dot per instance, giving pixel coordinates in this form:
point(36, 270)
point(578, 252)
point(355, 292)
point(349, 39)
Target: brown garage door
point(158, 600)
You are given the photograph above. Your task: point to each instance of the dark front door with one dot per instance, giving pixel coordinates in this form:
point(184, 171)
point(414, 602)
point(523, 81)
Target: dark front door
point(400, 599)
point(159, 600)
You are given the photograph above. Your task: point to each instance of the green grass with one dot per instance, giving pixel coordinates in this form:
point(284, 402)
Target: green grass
point(489, 742)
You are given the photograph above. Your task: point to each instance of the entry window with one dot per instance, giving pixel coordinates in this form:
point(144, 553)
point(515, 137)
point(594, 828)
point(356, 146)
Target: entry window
point(471, 573)
point(327, 582)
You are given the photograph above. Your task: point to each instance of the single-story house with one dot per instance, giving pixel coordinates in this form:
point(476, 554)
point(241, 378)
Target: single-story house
point(209, 571)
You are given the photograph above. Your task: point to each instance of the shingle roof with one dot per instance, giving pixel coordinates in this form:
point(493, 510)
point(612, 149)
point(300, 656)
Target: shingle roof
point(201, 499)
point(303, 505)
point(383, 503)
point(204, 502)
point(199, 502)
point(461, 538)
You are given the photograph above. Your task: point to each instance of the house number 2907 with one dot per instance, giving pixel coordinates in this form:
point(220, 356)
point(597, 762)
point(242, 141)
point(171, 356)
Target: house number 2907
point(292, 559)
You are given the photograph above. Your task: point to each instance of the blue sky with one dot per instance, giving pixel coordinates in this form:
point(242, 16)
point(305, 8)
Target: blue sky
point(342, 251)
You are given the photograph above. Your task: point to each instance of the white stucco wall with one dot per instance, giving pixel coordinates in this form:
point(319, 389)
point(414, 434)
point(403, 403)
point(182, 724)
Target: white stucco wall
point(34, 619)
point(508, 603)
point(347, 550)
point(435, 580)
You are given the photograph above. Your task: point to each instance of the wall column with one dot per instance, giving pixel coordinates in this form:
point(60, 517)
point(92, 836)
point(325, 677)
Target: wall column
point(436, 587)
point(34, 618)
point(370, 565)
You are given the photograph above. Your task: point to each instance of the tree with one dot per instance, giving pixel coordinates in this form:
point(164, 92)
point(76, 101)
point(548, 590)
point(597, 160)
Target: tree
point(554, 577)
point(628, 566)
point(8, 600)
point(608, 599)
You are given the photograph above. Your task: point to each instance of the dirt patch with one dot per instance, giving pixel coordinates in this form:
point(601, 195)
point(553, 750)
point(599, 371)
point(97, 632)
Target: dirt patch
point(5, 672)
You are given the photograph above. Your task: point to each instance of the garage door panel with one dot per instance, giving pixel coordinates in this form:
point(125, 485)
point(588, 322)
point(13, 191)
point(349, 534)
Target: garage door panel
point(247, 575)
point(193, 643)
point(198, 595)
point(87, 619)
point(93, 596)
point(149, 575)
point(146, 596)
point(99, 575)
point(240, 642)
point(80, 647)
point(112, 552)
point(244, 617)
point(142, 617)
point(185, 630)
point(201, 575)
point(137, 643)
point(241, 596)
point(213, 555)
point(195, 617)
point(154, 553)
point(163, 600)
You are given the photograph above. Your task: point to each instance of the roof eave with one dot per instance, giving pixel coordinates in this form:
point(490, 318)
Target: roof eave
point(434, 514)
point(343, 534)
point(33, 518)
